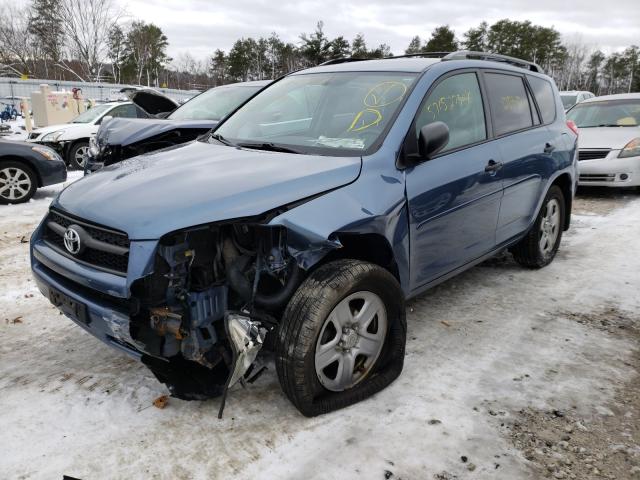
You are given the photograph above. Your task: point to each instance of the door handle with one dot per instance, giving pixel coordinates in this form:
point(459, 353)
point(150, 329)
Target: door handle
point(493, 166)
point(548, 148)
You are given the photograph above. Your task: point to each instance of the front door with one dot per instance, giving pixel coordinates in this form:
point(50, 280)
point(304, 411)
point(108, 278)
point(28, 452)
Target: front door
point(454, 198)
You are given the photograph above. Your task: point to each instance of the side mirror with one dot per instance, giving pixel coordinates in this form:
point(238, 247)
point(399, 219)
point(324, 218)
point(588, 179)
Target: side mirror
point(433, 138)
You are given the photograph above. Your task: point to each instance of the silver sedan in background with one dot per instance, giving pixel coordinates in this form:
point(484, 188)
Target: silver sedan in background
point(609, 145)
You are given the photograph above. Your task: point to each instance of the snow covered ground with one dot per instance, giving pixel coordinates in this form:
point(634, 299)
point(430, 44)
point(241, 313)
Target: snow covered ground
point(481, 347)
point(17, 130)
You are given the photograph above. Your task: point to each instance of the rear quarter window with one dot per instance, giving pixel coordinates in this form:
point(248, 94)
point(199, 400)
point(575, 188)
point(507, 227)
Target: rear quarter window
point(509, 103)
point(543, 91)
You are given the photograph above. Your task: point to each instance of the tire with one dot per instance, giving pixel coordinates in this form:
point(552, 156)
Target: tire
point(18, 183)
point(533, 251)
point(377, 346)
point(74, 158)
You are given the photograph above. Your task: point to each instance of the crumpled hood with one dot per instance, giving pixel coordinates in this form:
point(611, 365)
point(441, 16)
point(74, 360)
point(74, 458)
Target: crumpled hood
point(127, 131)
point(198, 183)
point(614, 138)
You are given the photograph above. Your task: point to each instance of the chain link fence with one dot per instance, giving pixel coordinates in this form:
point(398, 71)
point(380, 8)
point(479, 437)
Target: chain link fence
point(13, 88)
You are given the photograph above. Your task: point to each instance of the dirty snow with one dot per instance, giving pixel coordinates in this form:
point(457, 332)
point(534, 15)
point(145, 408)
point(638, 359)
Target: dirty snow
point(494, 340)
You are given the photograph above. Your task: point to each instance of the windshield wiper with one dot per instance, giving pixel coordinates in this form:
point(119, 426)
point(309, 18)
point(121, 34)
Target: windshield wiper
point(221, 139)
point(268, 146)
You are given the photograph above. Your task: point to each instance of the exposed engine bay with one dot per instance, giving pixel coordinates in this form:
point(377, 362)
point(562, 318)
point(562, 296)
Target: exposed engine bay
point(206, 310)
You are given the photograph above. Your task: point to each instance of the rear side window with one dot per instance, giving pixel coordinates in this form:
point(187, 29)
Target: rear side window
point(509, 103)
point(543, 91)
point(457, 102)
point(125, 111)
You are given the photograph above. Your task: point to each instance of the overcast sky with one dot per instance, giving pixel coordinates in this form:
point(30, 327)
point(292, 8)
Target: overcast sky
point(201, 26)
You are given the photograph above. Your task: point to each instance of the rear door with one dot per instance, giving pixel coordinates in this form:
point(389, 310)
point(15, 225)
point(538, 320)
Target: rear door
point(453, 198)
point(525, 147)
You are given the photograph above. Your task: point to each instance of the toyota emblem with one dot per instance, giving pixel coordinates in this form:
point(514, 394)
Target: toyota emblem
point(72, 241)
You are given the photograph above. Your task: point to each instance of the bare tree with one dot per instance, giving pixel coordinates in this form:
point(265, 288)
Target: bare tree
point(87, 25)
point(18, 48)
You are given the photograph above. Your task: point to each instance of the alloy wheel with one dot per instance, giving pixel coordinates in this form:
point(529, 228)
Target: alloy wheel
point(350, 341)
point(549, 226)
point(14, 183)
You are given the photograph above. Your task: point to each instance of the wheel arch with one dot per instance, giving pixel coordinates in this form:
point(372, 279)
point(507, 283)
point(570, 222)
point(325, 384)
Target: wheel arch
point(368, 247)
point(564, 182)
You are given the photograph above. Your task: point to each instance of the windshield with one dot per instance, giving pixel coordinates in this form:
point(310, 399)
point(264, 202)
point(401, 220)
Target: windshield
point(91, 114)
point(214, 104)
point(568, 100)
point(607, 113)
point(322, 112)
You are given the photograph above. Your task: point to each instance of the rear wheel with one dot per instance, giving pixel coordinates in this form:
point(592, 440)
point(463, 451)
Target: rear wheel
point(538, 248)
point(77, 153)
point(342, 336)
point(18, 183)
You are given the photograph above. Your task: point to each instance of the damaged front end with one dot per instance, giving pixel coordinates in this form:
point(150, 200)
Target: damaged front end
point(210, 303)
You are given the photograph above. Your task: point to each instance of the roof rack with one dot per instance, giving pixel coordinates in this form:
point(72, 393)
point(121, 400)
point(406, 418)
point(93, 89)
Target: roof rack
point(459, 55)
point(494, 57)
point(335, 61)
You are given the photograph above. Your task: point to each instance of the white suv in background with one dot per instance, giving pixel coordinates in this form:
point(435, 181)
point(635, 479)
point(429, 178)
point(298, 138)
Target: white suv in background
point(571, 97)
point(609, 149)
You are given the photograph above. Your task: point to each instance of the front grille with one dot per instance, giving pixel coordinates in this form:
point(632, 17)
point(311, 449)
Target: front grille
point(592, 154)
point(114, 260)
point(597, 177)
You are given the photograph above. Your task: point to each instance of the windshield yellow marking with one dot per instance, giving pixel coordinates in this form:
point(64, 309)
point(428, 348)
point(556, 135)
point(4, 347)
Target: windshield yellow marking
point(378, 96)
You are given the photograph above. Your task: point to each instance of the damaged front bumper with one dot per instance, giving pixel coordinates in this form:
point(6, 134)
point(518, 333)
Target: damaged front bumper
point(194, 306)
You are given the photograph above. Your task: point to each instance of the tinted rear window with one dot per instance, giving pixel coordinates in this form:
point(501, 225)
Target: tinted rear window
point(509, 103)
point(543, 91)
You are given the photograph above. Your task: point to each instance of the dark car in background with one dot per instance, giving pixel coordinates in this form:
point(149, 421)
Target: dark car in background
point(122, 138)
point(25, 167)
point(307, 217)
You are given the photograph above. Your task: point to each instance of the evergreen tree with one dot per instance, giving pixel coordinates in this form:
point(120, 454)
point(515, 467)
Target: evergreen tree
point(359, 47)
point(443, 39)
point(415, 46)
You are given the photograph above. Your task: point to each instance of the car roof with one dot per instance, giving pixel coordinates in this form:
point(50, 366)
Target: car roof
point(618, 96)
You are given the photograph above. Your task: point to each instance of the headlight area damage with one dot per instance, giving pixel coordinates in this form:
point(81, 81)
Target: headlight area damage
point(215, 294)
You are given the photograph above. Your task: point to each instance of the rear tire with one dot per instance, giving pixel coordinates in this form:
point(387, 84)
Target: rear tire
point(18, 183)
point(354, 312)
point(539, 247)
point(76, 157)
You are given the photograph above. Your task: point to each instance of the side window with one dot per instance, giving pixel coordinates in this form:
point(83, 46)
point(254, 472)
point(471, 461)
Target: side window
point(509, 104)
point(140, 113)
point(126, 111)
point(456, 101)
point(543, 91)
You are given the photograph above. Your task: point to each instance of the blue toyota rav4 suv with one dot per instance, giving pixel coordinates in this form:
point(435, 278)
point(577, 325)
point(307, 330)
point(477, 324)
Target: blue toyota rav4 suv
point(307, 217)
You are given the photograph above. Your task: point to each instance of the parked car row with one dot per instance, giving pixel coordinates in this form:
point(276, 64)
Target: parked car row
point(71, 140)
point(306, 217)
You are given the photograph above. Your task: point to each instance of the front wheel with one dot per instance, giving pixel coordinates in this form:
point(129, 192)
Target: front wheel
point(77, 155)
point(342, 336)
point(539, 247)
point(18, 183)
